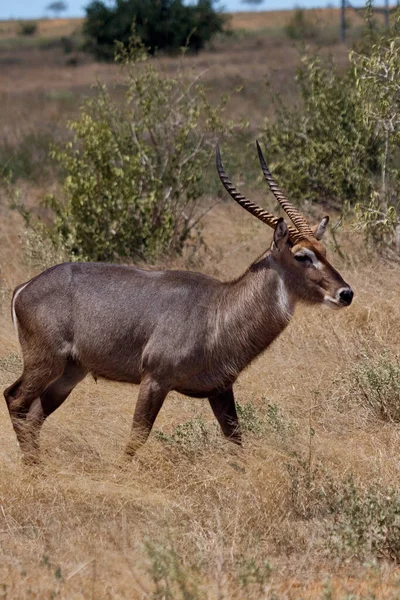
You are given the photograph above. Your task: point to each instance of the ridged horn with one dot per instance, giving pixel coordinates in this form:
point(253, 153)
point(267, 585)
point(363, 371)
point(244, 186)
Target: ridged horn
point(293, 213)
point(264, 215)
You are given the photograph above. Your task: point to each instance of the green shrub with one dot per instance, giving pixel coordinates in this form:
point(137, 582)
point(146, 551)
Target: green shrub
point(196, 435)
point(172, 579)
point(28, 28)
point(251, 419)
point(307, 488)
point(167, 24)
point(323, 150)
point(361, 522)
point(253, 573)
point(301, 27)
point(39, 251)
point(378, 219)
point(261, 420)
point(376, 386)
point(377, 73)
point(341, 145)
point(192, 437)
point(366, 523)
point(135, 170)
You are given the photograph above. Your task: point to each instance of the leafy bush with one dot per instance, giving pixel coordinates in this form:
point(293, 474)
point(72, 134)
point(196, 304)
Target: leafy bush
point(376, 386)
point(341, 145)
point(262, 420)
point(172, 579)
point(361, 522)
point(167, 24)
point(28, 28)
point(377, 71)
point(251, 573)
point(307, 488)
point(324, 150)
point(378, 218)
point(196, 435)
point(135, 170)
point(192, 437)
point(39, 251)
point(301, 27)
point(366, 521)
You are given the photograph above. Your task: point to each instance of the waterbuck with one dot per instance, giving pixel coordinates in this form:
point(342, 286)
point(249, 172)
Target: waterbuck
point(164, 330)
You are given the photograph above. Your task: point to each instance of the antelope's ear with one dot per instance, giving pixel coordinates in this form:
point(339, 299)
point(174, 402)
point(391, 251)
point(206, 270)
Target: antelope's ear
point(281, 235)
point(320, 229)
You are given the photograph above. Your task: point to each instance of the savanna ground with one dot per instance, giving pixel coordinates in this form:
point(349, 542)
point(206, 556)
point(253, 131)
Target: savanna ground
point(302, 510)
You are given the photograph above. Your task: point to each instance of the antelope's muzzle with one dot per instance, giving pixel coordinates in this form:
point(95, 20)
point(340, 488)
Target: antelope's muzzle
point(345, 296)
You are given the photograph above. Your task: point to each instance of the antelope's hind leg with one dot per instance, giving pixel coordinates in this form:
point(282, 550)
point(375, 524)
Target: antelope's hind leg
point(52, 397)
point(21, 395)
point(34, 396)
point(224, 409)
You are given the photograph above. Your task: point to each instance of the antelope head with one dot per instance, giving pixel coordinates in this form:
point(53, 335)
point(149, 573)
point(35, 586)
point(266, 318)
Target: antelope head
point(296, 250)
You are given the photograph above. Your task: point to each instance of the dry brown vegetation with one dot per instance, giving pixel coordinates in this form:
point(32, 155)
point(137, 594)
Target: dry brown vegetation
point(256, 21)
point(193, 517)
point(249, 21)
point(47, 28)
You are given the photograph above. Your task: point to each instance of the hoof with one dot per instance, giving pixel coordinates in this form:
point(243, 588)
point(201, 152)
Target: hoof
point(129, 453)
point(30, 460)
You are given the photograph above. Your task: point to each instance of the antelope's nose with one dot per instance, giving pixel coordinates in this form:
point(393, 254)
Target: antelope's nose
point(346, 296)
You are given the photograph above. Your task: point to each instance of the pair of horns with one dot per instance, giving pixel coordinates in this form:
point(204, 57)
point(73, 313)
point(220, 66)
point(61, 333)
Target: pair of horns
point(301, 230)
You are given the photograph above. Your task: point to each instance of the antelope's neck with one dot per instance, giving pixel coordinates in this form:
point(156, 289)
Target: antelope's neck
point(252, 311)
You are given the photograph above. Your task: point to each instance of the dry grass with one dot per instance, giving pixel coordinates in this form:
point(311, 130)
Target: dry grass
point(84, 526)
point(197, 519)
point(47, 28)
point(277, 19)
point(249, 21)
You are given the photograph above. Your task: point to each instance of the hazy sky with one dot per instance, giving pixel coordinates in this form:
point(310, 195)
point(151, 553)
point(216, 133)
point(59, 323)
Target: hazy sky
point(33, 9)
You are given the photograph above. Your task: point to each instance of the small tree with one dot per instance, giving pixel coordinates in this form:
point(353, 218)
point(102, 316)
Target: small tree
point(28, 28)
point(135, 170)
point(301, 26)
point(253, 2)
point(167, 24)
point(377, 75)
point(324, 150)
point(57, 7)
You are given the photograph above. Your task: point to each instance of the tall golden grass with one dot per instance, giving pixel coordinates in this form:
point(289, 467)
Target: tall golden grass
point(198, 518)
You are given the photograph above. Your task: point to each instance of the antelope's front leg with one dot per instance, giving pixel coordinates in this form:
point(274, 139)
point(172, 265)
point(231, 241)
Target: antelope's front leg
point(150, 400)
point(224, 409)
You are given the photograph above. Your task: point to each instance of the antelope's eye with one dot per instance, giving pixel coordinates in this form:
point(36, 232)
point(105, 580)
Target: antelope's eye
point(303, 258)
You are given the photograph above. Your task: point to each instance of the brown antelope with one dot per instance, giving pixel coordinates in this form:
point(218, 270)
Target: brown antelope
point(164, 330)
